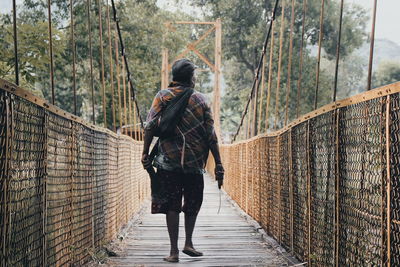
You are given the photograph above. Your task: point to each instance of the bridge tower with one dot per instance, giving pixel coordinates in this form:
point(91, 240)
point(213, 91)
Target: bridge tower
point(192, 47)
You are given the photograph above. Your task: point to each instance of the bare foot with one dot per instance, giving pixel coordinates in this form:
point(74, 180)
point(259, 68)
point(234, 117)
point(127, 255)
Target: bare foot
point(172, 258)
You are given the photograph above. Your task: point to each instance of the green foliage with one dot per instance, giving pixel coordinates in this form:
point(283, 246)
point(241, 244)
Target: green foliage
point(387, 72)
point(244, 26)
point(244, 29)
point(143, 34)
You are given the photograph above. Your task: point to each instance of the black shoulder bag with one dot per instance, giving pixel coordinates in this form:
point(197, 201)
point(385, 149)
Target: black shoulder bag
point(170, 117)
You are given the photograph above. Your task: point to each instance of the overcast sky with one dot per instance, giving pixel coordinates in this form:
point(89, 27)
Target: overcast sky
point(386, 24)
point(386, 18)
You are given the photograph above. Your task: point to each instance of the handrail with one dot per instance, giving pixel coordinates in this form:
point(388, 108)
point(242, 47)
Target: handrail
point(365, 96)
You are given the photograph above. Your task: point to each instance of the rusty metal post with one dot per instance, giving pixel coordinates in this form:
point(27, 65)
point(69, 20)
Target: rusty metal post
point(338, 50)
point(308, 145)
point(135, 128)
point(321, 34)
point(337, 185)
point(111, 68)
point(124, 94)
point(16, 66)
point(71, 3)
point(301, 58)
point(270, 69)
point(88, 2)
point(255, 106)
point(130, 121)
point(278, 83)
point(372, 45)
point(291, 199)
point(103, 86)
point(51, 52)
point(92, 184)
point(388, 179)
point(260, 112)
point(217, 77)
point(44, 183)
point(5, 189)
point(117, 67)
point(289, 85)
point(74, 149)
point(279, 191)
point(164, 68)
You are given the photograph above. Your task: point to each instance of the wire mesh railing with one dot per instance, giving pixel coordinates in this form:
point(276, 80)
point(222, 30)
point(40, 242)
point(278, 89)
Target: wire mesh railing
point(67, 187)
point(326, 186)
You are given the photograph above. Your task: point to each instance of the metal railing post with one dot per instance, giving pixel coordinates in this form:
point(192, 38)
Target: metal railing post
point(16, 66)
point(388, 178)
point(278, 82)
point(321, 33)
point(338, 51)
point(289, 85)
point(71, 3)
point(51, 52)
point(301, 58)
point(372, 45)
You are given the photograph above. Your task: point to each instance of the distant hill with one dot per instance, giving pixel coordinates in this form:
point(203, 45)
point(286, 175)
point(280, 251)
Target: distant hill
point(384, 50)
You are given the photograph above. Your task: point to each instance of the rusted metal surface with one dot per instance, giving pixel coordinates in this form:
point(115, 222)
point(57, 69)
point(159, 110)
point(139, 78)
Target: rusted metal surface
point(289, 76)
point(88, 6)
point(118, 80)
point(103, 82)
point(69, 186)
point(114, 125)
point(53, 97)
point(338, 51)
point(303, 24)
point(321, 34)
point(270, 72)
point(345, 147)
point(372, 45)
point(73, 48)
point(15, 35)
point(278, 82)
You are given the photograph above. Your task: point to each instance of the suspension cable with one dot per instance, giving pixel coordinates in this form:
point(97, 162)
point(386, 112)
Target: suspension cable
point(88, 3)
point(289, 71)
point(257, 70)
point(51, 52)
point(278, 82)
point(73, 47)
point(16, 69)
point(301, 58)
point(126, 65)
point(103, 85)
point(111, 67)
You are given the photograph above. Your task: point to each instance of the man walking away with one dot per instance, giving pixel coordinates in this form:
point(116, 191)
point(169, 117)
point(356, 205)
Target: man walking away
point(182, 156)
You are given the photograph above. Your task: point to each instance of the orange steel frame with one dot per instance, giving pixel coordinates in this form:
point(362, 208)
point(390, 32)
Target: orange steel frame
point(191, 47)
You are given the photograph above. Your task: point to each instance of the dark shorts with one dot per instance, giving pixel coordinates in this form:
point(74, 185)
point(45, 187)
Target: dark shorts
point(176, 185)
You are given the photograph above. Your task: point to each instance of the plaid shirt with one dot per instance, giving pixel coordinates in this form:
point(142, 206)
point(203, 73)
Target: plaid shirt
point(187, 150)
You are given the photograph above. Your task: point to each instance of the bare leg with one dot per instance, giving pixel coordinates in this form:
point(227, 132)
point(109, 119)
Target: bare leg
point(173, 231)
point(190, 221)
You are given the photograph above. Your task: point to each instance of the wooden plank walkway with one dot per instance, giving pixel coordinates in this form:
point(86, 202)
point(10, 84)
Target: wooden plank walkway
point(229, 238)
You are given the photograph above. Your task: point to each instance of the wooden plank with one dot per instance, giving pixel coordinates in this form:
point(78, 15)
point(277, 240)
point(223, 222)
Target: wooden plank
point(226, 239)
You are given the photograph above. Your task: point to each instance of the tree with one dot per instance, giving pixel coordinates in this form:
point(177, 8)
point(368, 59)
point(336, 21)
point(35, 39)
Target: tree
point(387, 72)
point(244, 30)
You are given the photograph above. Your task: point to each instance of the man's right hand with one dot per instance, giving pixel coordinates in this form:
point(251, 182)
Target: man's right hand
point(219, 174)
point(146, 161)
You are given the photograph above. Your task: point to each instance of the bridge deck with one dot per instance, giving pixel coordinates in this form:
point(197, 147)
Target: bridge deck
point(226, 239)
